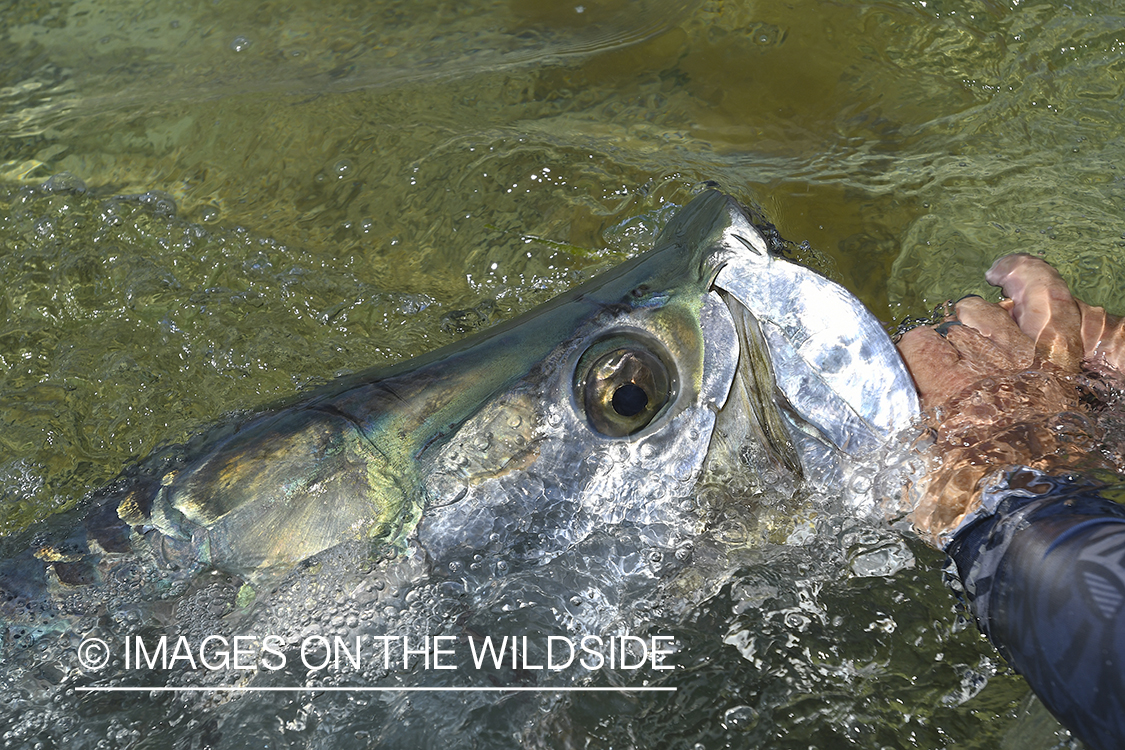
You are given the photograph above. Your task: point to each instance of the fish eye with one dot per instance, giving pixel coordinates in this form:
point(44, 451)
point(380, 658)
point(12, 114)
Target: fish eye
point(622, 383)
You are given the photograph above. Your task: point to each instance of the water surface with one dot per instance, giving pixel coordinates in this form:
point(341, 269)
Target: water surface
point(266, 195)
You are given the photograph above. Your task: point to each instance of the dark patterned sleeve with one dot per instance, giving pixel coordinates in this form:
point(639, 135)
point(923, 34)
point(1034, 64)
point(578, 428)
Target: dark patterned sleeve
point(1043, 566)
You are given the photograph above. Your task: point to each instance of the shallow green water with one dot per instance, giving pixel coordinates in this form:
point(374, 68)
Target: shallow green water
point(351, 184)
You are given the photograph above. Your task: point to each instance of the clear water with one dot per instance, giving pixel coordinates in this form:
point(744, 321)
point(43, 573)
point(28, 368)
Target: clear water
point(272, 194)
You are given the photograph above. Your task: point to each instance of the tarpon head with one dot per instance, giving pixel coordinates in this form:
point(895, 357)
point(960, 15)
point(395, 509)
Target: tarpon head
point(608, 400)
point(599, 407)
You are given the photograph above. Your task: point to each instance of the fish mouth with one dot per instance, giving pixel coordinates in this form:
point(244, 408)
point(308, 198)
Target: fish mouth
point(818, 379)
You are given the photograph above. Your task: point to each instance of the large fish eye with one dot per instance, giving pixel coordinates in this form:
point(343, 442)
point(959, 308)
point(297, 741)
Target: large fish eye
point(623, 382)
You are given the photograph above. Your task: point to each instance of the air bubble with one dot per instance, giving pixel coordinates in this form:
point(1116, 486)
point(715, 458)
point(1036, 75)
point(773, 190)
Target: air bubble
point(159, 202)
point(342, 168)
point(240, 44)
point(860, 484)
point(45, 227)
point(740, 717)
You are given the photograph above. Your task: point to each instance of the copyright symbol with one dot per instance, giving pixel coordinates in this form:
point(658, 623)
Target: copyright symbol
point(93, 654)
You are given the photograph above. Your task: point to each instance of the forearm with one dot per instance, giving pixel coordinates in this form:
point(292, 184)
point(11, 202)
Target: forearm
point(1043, 566)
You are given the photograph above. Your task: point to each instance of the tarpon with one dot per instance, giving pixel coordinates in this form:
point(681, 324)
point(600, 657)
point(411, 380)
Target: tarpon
point(498, 454)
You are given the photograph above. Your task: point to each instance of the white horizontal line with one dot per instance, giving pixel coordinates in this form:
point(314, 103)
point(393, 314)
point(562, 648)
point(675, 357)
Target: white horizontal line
point(240, 689)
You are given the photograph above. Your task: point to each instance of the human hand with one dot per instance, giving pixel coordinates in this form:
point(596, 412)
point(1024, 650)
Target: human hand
point(1002, 386)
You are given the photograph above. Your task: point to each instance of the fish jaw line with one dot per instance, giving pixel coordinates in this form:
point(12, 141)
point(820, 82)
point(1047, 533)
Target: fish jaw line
point(814, 360)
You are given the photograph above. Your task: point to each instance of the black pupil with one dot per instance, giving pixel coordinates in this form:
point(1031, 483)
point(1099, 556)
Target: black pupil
point(629, 400)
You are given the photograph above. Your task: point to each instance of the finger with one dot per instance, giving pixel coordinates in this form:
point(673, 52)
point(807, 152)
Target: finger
point(1103, 336)
point(1009, 347)
point(1094, 325)
point(1042, 306)
point(937, 367)
point(986, 355)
